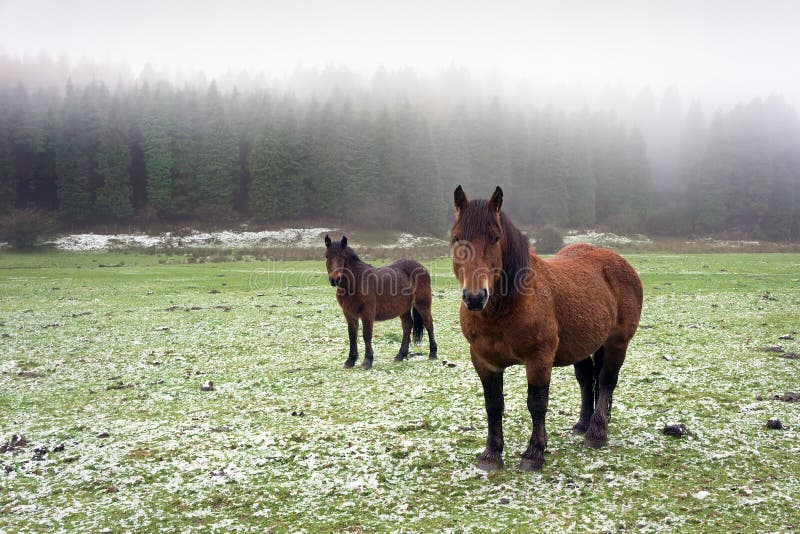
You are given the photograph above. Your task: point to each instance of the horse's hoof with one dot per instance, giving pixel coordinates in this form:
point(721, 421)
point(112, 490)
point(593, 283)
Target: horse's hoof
point(594, 443)
point(366, 364)
point(490, 462)
point(579, 429)
point(400, 357)
point(349, 363)
point(531, 464)
point(432, 356)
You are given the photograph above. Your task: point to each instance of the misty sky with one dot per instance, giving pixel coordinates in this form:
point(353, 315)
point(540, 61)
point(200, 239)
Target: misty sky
point(731, 48)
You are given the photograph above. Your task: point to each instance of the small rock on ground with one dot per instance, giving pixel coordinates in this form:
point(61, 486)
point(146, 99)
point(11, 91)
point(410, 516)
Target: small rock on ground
point(774, 423)
point(677, 430)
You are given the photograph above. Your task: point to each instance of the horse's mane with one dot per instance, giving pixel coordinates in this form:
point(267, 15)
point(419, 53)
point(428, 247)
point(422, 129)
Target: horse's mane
point(478, 216)
point(350, 257)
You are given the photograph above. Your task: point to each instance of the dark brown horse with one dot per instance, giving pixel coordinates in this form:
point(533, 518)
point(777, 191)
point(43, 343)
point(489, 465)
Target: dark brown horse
point(518, 309)
point(402, 289)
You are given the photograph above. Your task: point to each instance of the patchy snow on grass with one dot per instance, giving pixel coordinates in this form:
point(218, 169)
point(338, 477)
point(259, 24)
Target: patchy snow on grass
point(288, 237)
point(406, 240)
point(724, 243)
point(120, 437)
point(604, 238)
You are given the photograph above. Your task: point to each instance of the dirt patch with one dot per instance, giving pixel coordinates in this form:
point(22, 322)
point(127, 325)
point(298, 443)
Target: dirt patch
point(789, 396)
point(16, 442)
point(119, 385)
point(29, 374)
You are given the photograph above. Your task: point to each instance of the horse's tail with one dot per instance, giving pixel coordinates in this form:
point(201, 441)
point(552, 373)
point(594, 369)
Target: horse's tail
point(416, 325)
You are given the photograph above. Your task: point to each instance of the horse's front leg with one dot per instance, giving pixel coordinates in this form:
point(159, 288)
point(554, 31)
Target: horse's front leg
point(491, 459)
point(352, 333)
point(367, 322)
point(537, 370)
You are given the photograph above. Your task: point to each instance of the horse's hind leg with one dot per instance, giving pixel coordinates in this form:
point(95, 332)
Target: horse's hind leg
point(584, 373)
point(405, 319)
point(422, 307)
point(612, 358)
point(427, 321)
point(423, 299)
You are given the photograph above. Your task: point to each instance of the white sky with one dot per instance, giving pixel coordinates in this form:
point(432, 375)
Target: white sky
point(737, 48)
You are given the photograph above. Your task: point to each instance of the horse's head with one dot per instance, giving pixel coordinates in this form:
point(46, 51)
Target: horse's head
point(335, 256)
point(477, 237)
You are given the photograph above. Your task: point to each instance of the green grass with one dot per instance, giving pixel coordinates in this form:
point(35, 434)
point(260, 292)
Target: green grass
point(124, 350)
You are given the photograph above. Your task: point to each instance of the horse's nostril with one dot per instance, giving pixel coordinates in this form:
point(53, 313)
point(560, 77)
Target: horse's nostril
point(464, 294)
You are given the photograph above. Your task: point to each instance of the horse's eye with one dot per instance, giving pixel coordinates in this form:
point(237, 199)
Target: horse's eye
point(497, 239)
point(456, 239)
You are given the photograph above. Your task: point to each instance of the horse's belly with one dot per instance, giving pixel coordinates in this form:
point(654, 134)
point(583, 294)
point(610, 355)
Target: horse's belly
point(575, 351)
point(385, 315)
point(577, 342)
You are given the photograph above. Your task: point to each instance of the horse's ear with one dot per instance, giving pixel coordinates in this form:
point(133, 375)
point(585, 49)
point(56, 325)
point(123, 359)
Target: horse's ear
point(460, 199)
point(344, 241)
point(497, 199)
point(327, 240)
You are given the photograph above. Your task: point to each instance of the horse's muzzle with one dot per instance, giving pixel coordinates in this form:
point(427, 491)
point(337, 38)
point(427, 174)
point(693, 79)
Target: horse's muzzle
point(335, 281)
point(475, 301)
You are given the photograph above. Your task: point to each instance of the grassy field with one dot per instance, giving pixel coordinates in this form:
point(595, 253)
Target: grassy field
point(102, 358)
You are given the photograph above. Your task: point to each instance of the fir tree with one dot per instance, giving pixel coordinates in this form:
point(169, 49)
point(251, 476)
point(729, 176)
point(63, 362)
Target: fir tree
point(72, 159)
point(113, 198)
point(267, 167)
point(217, 157)
point(8, 193)
point(158, 158)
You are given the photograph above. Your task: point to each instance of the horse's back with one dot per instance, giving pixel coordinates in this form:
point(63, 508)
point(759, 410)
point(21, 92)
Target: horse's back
point(411, 268)
point(596, 290)
point(585, 257)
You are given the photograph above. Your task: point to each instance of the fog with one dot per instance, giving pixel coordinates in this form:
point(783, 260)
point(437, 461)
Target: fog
point(676, 117)
point(718, 51)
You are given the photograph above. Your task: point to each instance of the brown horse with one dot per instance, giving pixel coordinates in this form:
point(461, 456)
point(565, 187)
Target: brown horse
point(402, 289)
point(518, 309)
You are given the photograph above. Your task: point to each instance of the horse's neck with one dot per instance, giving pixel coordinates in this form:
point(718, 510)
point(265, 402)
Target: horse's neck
point(533, 281)
point(358, 268)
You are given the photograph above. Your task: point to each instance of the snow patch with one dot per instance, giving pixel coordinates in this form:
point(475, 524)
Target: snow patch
point(604, 238)
point(406, 240)
point(288, 237)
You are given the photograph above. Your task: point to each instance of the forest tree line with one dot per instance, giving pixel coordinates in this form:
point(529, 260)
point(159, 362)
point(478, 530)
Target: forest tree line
point(160, 152)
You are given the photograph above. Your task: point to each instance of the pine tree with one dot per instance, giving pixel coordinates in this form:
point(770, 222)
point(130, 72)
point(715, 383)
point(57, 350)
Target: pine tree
point(184, 193)
point(424, 196)
point(158, 157)
point(551, 181)
point(44, 174)
point(267, 167)
point(217, 158)
point(710, 208)
point(72, 159)
point(8, 193)
point(639, 172)
point(113, 198)
point(580, 182)
point(320, 145)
